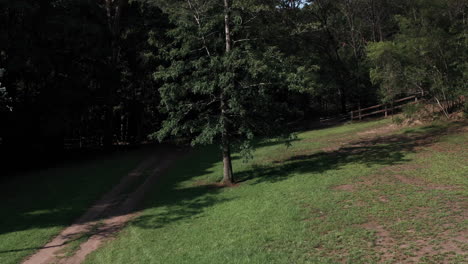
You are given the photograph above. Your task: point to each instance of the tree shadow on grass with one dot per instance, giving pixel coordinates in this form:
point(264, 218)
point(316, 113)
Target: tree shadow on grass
point(190, 202)
point(187, 203)
point(177, 204)
point(22, 213)
point(174, 203)
point(381, 150)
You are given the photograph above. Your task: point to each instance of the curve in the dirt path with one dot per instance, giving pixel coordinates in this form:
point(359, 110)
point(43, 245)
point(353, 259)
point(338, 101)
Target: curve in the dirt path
point(108, 215)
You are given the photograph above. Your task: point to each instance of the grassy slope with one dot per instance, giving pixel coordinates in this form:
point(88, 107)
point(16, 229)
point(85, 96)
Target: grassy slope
point(319, 201)
point(37, 205)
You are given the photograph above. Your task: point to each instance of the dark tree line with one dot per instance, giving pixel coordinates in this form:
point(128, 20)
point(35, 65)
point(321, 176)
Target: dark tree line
point(99, 73)
point(76, 73)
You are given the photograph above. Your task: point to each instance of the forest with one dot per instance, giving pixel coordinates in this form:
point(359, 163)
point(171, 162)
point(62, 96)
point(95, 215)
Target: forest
point(91, 75)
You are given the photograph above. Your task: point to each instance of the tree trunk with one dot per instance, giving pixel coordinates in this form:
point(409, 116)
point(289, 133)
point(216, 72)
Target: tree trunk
point(343, 100)
point(228, 177)
point(108, 139)
point(227, 28)
point(114, 13)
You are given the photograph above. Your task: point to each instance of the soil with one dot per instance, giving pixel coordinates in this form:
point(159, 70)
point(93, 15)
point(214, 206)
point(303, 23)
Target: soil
point(345, 187)
point(391, 251)
point(109, 215)
point(380, 130)
point(421, 183)
point(443, 245)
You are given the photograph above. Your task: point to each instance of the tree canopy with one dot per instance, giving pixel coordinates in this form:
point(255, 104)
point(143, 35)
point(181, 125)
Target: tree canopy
point(86, 74)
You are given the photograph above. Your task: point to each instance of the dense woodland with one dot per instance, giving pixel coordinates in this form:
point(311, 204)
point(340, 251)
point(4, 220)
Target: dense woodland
point(94, 74)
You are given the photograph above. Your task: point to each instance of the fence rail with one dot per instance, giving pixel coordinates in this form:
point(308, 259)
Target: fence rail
point(385, 108)
point(82, 142)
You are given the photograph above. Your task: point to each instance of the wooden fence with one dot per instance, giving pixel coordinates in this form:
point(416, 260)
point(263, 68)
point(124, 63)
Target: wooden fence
point(385, 109)
point(82, 142)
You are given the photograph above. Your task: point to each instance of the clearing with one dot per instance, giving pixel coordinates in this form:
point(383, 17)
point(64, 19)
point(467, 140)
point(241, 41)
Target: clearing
point(360, 193)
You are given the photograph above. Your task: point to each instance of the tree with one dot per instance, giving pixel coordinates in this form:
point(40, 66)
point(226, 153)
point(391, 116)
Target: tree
point(221, 84)
point(429, 54)
point(62, 73)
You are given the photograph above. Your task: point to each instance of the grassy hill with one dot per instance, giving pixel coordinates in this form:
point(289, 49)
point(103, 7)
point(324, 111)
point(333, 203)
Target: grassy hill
point(359, 193)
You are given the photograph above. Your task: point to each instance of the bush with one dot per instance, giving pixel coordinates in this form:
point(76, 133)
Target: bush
point(411, 110)
point(398, 120)
point(465, 109)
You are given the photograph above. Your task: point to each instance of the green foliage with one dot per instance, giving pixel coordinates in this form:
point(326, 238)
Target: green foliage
point(389, 70)
point(303, 80)
point(398, 120)
point(465, 109)
point(411, 110)
point(199, 76)
point(428, 54)
point(60, 75)
point(5, 100)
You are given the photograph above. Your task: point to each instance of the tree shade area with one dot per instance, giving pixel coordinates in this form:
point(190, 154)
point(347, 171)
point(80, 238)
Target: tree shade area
point(233, 131)
point(85, 75)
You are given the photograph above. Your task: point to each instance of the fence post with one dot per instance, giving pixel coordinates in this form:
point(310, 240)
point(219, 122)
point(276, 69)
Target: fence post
point(352, 116)
point(386, 111)
point(393, 108)
point(360, 118)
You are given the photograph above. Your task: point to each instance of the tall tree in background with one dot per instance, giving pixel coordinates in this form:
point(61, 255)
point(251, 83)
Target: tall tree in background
point(67, 76)
point(114, 10)
point(429, 54)
point(221, 82)
point(83, 71)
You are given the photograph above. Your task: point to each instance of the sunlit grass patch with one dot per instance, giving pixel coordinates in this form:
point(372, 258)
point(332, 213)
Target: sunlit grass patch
point(335, 195)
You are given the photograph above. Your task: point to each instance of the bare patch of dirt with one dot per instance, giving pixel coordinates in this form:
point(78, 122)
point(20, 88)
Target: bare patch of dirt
point(447, 246)
point(395, 174)
point(215, 185)
point(423, 184)
point(383, 242)
point(447, 148)
point(410, 181)
point(345, 187)
point(391, 250)
point(332, 148)
point(380, 130)
point(383, 236)
point(403, 167)
point(318, 217)
point(383, 199)
point(109, 215)
point(354, 203)
point(316, 213)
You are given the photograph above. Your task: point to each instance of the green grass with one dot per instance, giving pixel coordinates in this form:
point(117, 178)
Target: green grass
point(287, 208)
point(36, 206)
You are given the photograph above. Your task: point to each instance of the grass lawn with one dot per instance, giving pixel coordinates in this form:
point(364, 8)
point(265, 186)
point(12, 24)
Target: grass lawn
point(359, 193)
point(36, 206)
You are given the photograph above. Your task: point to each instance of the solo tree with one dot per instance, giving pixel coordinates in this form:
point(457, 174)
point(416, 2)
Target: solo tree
point(222, 82)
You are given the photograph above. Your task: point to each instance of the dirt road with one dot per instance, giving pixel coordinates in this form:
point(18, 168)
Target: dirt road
point(109, 215)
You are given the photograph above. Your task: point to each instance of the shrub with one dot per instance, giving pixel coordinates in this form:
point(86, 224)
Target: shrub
point(398, 120)
point(465, 109)
point(411, 110)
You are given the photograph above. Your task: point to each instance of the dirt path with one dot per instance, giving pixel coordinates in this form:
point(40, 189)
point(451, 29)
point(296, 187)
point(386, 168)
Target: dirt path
point(109, 215)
